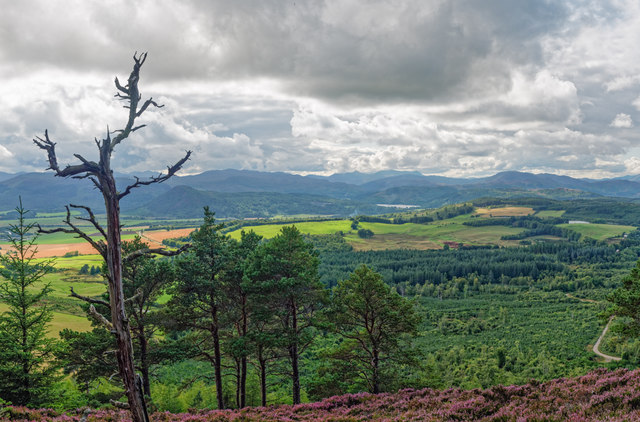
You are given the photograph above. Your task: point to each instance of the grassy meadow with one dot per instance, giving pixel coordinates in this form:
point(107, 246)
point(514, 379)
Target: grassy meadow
point(599, 231)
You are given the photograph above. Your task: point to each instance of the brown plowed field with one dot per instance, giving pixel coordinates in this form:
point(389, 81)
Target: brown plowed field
point(60, 249)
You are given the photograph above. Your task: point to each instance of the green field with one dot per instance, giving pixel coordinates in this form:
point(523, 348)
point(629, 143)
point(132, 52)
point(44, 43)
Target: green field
point(599, 231)
point(549, 213)
point(62, 320)
point(67, 311)
point(317, 227)
point(434, 235)
point(400, 236)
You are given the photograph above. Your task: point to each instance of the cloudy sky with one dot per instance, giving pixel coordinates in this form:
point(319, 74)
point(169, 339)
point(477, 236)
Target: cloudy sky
point(456, 88)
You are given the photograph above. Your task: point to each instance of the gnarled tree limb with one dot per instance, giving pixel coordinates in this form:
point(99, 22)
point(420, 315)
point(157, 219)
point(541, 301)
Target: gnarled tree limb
point(158, 251)
point(89, 299)
point(157, 179)
point(98, 246)
point(100, 318)
point(92, 218)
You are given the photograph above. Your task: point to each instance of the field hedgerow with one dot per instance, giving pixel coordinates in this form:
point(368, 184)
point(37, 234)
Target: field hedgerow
point(601, 395)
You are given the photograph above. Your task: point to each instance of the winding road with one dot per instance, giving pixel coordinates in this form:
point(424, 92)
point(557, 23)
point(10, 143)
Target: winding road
point(596, 347)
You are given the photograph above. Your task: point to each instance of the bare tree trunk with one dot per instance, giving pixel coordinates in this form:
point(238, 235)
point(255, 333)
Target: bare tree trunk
point(237, 367)
point(293, 354)
point(243, 362)
point(376, 371)
point(144, 362)
point(119, 320)
point(218, 359)
point(263, 381)
point(101, 175)
point(243, 382)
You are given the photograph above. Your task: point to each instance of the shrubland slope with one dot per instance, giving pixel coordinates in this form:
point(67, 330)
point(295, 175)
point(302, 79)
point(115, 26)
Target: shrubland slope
point(601, 395)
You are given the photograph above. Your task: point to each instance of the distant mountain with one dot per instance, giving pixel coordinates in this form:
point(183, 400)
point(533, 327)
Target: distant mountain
point(519, 180)
point(187, 202)
point(44, 192)
point(5, 176)
point(254, 181)
point(437, 196)
point(633, 178)
point(357, 178)
point(241, 193)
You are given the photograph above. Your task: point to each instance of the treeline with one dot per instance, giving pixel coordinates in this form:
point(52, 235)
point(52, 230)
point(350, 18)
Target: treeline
point(601, 210)
point(251, 308)
point(451, 273)
point(421, 217)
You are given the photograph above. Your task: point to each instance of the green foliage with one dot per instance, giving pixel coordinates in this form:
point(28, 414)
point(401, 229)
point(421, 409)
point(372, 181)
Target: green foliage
point(375, 325)
point(626, 303)
point(284, 276)
point(365, 233)
point(198, 294)
point(87, 355)
point(27, 368)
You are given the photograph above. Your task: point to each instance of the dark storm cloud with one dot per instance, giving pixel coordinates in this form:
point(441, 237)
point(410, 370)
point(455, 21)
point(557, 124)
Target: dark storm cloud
point(457, 87)
point(338, 50)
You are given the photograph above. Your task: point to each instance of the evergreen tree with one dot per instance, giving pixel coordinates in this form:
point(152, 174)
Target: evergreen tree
point(626, 302)
point(285, 277)
point(238, 310)
point(198, 294)
point(145, 279)
point(27, 370)
point(375, 323)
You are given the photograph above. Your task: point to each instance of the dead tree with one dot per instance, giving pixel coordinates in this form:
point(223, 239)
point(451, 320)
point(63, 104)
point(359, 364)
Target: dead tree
point(101, 174)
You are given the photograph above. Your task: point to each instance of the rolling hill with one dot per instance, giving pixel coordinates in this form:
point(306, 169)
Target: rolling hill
point(267, 194)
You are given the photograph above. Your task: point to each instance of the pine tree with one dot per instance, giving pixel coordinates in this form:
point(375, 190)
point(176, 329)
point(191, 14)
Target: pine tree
point(198, 295)
point(375, 323)
point(284, 275)
point(26, 367)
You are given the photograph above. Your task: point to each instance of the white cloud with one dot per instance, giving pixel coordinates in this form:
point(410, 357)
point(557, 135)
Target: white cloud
point(458, 88)
point(622, 121)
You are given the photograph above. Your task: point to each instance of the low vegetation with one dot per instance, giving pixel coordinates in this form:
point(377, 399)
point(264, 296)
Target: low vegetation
point(599, 395)
point(500, 299)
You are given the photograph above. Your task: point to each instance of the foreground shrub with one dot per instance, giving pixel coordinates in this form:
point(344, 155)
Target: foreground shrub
point(601, 395)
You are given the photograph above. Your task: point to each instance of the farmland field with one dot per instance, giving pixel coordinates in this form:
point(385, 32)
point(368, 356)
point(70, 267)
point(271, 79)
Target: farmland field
point(549, 213)
point(400, 236)
point(60, 321)
point(316, 227)
point(599, 231)
point(504, 212)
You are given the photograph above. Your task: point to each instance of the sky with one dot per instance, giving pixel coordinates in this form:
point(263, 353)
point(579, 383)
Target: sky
point(454, 88)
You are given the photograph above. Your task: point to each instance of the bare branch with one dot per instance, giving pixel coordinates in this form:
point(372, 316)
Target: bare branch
point(49, 146)
point(119, 404)
point(139, 293)
point(95, 168)
point(158, 251)
point(91, 219)
point(98, 246)
point(89, 299)
point(157, 179)
point(120, 87)
point(100, 318)
point(146, 105)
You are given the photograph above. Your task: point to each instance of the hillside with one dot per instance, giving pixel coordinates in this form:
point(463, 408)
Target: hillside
point(187, 202)
point(345, 193)
point(598, 396)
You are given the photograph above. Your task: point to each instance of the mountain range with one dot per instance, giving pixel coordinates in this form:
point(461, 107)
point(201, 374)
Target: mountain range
point(246, 194)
